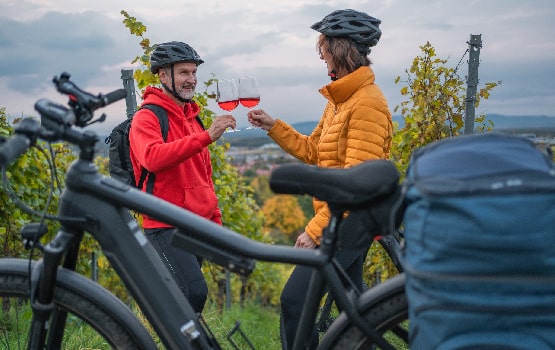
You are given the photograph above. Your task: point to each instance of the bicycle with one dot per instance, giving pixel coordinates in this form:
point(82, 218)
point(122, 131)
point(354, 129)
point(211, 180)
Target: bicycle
point(98, 205)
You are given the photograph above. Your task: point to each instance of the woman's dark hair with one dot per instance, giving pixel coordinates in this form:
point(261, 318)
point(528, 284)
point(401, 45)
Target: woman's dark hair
point(344, 53)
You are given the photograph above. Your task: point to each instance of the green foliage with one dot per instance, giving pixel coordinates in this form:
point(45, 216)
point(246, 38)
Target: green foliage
point(435, 106)
point(378, 266)
point(143, 77)
point(434, 110)
point(261, 188)
point(29, 178)
point(306, 204)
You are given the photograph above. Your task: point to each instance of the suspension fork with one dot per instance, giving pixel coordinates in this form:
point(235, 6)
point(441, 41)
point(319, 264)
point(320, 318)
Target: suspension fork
point(43, 281)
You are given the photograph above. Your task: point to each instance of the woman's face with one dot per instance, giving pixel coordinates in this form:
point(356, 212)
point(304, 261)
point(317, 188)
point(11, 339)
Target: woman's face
point(326, 56)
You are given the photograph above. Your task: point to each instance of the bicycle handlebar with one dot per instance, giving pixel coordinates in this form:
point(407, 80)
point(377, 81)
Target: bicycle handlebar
point(64, 85)
point(82, 102)
point(56, 120)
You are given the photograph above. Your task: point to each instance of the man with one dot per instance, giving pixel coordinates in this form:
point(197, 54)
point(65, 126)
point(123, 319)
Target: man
point(181, 164)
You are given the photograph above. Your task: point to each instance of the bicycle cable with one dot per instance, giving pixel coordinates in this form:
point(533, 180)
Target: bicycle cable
point(25, 208)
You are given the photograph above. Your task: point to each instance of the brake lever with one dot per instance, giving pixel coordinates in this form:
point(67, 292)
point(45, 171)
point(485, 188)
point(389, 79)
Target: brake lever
point(84, 103)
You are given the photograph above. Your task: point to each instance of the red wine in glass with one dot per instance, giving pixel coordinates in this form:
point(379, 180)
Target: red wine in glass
point(249, 94)
point(249, 102)
point(227, 96)
point(228, 105)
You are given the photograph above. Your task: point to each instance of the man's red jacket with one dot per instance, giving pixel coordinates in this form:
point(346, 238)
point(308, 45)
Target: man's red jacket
point(181, 163)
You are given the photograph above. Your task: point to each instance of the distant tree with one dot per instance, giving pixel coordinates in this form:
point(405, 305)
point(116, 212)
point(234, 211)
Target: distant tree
point(251, 174)
point(305, 202)
point(283, 215)
point(261, 187)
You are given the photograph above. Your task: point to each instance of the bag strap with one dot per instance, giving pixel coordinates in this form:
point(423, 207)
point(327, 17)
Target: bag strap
point(200, 122)
point(163, 119)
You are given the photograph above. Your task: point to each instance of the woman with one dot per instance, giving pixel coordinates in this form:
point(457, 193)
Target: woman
point(355, 127)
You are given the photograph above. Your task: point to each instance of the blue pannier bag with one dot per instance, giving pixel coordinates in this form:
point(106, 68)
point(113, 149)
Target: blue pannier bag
point(479, 227)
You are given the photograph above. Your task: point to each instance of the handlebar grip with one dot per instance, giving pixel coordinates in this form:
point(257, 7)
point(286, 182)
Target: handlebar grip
point(114, 96)
point(25, 136)
point(12, 148)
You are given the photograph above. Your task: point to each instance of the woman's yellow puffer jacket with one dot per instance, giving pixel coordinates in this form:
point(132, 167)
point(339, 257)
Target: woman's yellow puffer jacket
point(355, 127)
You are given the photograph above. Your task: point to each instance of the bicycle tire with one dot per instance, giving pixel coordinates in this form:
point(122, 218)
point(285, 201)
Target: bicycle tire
point(384, 307)
point(84, 301)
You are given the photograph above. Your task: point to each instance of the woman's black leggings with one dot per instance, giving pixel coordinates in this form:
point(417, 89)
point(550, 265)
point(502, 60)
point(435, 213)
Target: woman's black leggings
point(294, 293)
point(184, 267)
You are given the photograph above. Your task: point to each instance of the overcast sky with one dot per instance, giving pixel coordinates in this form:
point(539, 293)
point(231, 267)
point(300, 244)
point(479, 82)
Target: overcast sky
point(272, 41)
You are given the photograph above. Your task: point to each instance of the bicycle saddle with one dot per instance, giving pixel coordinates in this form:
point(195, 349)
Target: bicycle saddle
point(347, 187)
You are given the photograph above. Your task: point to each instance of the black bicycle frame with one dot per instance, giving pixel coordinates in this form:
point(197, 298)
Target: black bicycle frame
point(104, 205)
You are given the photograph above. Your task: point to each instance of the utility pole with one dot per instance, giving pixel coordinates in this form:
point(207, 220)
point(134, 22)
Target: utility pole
point(475, 44)
point(129, 86)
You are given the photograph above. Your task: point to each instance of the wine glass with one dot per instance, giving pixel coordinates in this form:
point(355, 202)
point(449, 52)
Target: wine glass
point(249, 95)
point(227, 96)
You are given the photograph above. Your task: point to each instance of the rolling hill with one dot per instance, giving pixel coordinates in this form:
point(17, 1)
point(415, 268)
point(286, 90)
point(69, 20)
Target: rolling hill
point(538, 125)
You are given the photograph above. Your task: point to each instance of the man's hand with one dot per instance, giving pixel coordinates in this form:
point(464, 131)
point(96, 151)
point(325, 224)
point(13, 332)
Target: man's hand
point(220, 124)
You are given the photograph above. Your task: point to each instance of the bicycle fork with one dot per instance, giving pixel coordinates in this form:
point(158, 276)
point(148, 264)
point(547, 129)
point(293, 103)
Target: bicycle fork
point(47, 319)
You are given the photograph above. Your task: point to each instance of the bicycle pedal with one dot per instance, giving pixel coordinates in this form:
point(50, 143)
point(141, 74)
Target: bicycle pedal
point(237, 329)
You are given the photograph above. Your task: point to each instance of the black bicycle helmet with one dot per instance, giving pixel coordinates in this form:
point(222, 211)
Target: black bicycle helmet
point(172, 52)
point(361, 28)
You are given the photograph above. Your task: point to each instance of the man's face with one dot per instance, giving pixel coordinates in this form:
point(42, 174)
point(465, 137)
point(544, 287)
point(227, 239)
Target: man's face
point(185, 78)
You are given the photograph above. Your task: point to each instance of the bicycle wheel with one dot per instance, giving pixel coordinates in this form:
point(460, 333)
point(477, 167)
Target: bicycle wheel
point(386, 310)
point(96, 319)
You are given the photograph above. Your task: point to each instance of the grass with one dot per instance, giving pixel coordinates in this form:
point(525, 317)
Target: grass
point(15, 317)
point(261, 326)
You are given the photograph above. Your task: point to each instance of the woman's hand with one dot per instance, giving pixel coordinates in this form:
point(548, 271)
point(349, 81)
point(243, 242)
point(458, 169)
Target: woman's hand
point(260, 119)
point(304, 241)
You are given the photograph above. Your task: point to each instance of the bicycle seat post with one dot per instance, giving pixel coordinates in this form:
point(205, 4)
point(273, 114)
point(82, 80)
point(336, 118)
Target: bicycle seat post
point(329, 234)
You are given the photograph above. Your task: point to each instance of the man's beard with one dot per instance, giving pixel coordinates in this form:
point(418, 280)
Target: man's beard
point(187, 94)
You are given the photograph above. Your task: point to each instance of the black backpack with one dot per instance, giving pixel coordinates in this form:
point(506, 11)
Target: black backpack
point(120, 165)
